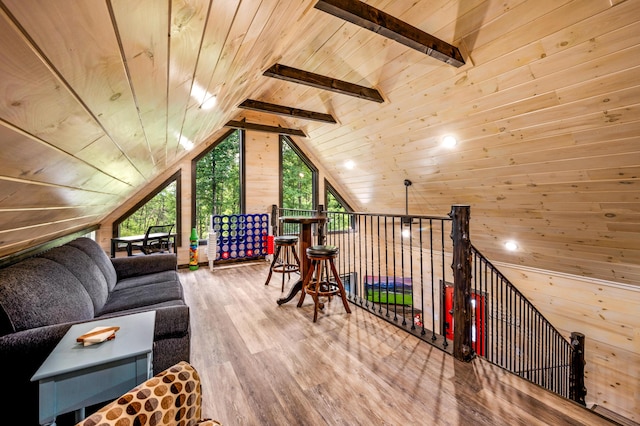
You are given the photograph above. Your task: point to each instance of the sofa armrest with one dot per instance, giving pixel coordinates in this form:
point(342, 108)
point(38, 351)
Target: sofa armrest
point(39, 341)
point(127, 267)
point(171, 321)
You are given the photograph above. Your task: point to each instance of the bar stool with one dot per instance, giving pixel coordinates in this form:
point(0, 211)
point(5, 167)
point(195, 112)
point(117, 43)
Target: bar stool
point(317, 280)
point(282, 262)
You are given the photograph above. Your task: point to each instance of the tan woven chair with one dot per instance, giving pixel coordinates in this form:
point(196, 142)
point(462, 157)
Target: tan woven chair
point(172, 398)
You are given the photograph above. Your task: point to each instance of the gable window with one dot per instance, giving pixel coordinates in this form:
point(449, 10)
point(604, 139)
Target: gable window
point(160, 207)
point(218, 181)
point(342, 220)
point(298, 178)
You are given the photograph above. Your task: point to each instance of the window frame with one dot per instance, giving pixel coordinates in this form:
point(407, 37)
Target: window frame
point(314, 170)
point(177, 178)
point(328, 188)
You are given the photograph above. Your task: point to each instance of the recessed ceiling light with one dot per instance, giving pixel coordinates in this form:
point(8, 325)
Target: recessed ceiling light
point(349, 164)
point(449, 141)
point(511, 245)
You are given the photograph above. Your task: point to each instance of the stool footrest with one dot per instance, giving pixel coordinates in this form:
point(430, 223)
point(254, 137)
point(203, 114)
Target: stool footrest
point(286, 268)
point(326, 288)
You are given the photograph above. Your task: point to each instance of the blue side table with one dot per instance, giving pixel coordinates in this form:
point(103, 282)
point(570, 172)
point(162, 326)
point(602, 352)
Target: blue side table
point(76, 376)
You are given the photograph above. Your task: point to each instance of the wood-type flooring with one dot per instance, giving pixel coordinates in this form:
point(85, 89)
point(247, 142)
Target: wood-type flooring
point(264, 364)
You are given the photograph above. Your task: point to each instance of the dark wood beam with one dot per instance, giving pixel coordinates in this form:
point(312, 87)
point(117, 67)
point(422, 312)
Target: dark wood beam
point(264, 128)
point(283, 110)
point(295, 75)
point(382, 23)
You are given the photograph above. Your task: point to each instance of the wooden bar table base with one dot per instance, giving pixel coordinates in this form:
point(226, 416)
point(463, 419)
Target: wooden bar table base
point(306, 241)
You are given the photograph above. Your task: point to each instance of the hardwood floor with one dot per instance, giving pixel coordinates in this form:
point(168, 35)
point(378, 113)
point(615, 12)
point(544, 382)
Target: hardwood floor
point(264, 364)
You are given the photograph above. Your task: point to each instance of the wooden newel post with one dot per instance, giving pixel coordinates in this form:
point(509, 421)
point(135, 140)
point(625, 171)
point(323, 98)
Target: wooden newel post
point(577, 389)
point(274, 219)
point(462, 348)
point(321, 233)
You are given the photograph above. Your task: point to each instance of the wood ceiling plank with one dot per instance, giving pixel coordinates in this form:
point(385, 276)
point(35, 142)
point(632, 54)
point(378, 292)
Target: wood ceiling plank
point(18, 219)
point(102, 86)
point(145, 46)
point(16, 240)
point(21, 158)
point(15, 194)
point(46, 111)
point(188, 19)
point(529, 23)
point(593, 26)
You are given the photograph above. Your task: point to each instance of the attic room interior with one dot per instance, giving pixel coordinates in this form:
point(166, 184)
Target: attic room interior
point(105, 103)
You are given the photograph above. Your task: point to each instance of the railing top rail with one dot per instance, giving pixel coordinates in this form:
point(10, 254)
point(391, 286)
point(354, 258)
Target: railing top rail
point(393, 215)
point(396, 215)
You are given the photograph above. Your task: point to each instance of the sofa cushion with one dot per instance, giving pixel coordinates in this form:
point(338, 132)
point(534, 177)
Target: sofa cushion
point(146, 279)
point(85, 270)
point(142, 296)
point(95, 252)
point(135, 266)
point(38, 292)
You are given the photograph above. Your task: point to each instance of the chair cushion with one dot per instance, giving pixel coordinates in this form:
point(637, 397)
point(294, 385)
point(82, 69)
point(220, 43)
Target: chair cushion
point(173, 397)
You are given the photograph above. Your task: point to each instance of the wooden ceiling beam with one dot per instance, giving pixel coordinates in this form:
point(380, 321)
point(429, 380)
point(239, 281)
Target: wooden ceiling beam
point(264, 128)
point(288, 111)
point(318, 81)
point(393, 28)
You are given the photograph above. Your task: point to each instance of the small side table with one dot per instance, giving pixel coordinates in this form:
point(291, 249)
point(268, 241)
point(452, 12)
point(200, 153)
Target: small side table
point(76, 376)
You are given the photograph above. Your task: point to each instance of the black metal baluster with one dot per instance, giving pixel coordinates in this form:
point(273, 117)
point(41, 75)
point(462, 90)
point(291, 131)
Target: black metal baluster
point(445, 343)
point(433, 297)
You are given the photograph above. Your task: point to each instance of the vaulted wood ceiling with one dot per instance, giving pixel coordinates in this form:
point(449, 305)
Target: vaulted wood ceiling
point(97, 97)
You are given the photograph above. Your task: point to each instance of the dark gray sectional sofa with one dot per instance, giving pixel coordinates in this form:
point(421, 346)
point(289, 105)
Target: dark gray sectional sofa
point(43, 296)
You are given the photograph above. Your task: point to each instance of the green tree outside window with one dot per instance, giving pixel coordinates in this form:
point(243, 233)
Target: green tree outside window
point(218, 182)
point(160, 210)
point(297, 180)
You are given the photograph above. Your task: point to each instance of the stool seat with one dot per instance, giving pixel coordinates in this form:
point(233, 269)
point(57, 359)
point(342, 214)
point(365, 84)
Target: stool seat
point(323, 251)
point(285, 239)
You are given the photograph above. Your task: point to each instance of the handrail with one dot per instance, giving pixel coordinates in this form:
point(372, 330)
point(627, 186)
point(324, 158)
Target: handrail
point(403, 269)
point(516, 336)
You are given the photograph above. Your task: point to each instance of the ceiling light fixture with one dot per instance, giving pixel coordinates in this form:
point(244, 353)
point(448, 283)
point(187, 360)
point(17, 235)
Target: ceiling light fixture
point(511, 245)
point(406, 220)
point(349, 164)
point(449, 141)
